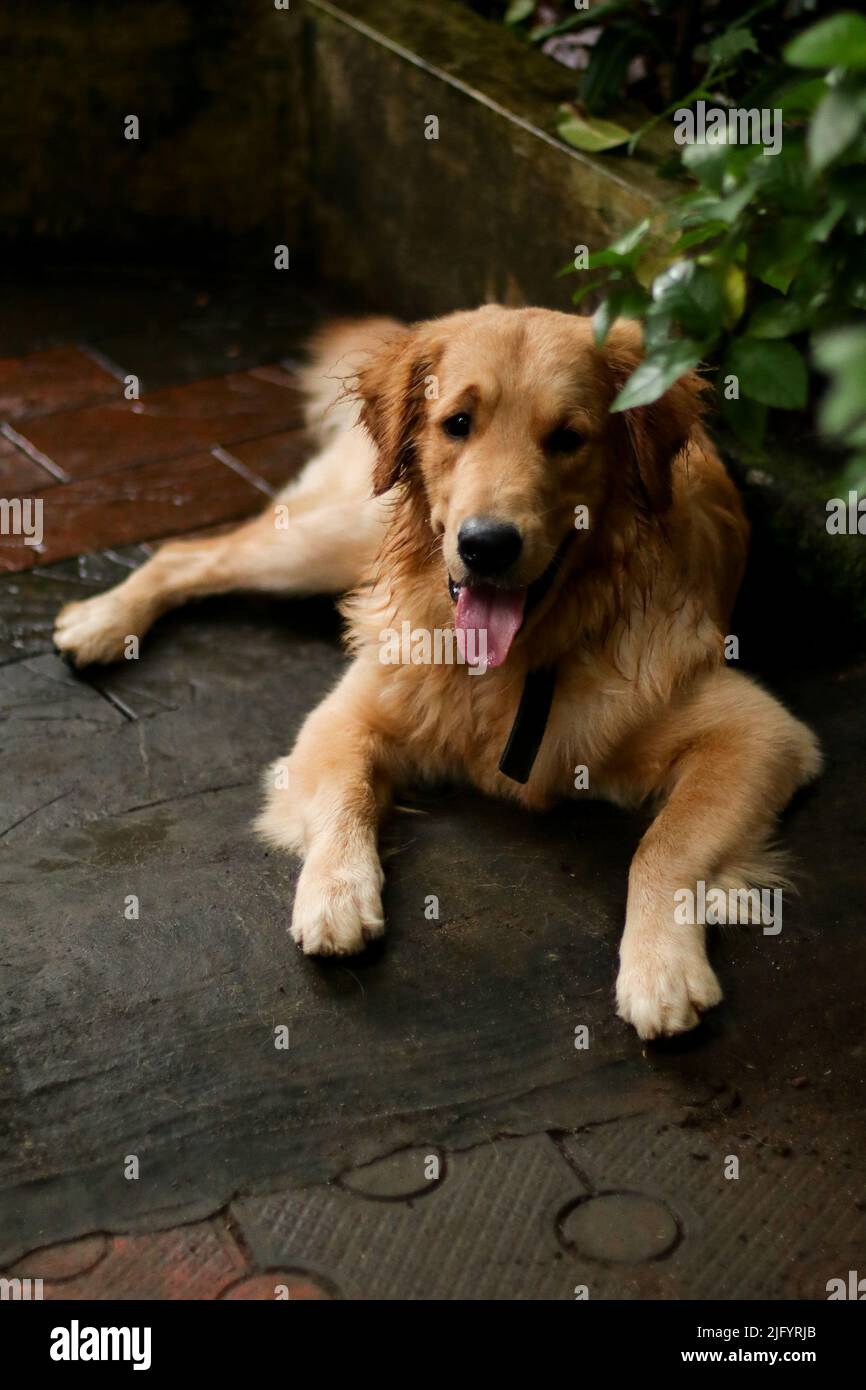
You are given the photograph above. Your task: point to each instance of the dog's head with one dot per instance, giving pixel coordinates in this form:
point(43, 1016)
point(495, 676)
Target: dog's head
point(499, 420)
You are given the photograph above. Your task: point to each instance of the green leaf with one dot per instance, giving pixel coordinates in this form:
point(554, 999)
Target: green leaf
point(731, 44)
point(608, 63)
point(590, 133)
point(820, 230)
point(815, 281)
point(592, 15)
point(627, 301)
point(702, 208)
point(835, 125)
point(850, 184)
point(778, 277)
point(784, 180)
point(623, 252)
point(835, 351)
point(707, 160)
point(801, 98)
point(657, 329)
point(772, 373)
point(698, 236)
point(691, 294)
point(747, 419)
point(585, 290)
point(854, 476)
point(777, 318)
point(778, 251)
point(519, 10)
point(658, 370)
point(842, 355)
point(838, 41)
point(630, 240)
point(734, 287)
point(603, 319)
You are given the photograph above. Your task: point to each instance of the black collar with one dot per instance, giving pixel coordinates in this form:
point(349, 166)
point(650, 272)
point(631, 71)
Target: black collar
point(533, 712)
point(529, 725)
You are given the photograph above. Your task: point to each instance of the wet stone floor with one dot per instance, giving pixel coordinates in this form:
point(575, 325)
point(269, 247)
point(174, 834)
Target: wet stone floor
point(188, 1107)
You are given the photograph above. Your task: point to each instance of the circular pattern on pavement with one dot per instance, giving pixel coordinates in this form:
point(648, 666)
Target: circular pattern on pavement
point(619, 1228)
point(278, 1285)
point(54, 1263)
point(411, 1172)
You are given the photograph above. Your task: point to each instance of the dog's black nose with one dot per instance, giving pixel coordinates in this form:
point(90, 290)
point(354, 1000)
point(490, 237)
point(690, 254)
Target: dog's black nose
point(488, 547)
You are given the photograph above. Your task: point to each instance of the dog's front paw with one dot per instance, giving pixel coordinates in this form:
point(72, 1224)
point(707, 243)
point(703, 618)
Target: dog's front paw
point(664, 985)
point(338, 905)
point(95, 630)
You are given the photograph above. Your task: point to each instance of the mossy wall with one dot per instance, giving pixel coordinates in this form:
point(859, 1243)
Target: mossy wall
point(493, 206)
point(306, 126)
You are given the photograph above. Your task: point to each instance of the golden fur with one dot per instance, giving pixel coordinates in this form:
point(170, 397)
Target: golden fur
point(634, 621)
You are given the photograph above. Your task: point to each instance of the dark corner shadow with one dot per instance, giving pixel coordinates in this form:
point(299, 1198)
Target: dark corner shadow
point(786, 624)
point(695, 1042)
point(803, 797)
point(343, 974)
point(310, 619)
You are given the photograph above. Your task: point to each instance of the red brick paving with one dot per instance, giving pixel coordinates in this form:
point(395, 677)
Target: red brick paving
point(165, 424)
point(52, 380)
point(188, 1262)
point(276, 1285)
point(276, 457)
point(200, 1261)
point(18, 473)
point(67, 1261)
point(117, 472)
point(156, 499)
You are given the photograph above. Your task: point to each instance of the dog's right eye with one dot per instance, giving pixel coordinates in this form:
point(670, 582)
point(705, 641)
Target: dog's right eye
point(457, 426)
point(564, 441)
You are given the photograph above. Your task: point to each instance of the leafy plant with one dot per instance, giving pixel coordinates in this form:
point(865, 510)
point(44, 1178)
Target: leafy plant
point(660, 53)
point(759, 267)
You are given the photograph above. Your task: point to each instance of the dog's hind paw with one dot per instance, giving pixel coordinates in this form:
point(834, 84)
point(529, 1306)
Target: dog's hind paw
point(94, 630)
point(663, 988)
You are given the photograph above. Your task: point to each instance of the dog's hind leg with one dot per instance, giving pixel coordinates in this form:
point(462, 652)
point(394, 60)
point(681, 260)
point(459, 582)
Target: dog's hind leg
point(317, 536)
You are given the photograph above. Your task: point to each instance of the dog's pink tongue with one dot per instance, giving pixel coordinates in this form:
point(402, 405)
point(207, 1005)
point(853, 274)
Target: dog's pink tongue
point(497, 613)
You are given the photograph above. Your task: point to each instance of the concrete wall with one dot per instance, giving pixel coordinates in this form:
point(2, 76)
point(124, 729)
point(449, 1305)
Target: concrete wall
point(305, 126)
point(490, 209)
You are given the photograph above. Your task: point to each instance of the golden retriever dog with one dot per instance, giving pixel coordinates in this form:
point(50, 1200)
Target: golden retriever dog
point(472, 482)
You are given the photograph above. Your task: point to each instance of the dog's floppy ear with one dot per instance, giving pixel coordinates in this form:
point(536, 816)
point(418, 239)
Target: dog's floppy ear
point(392, 385)
point(655, 433)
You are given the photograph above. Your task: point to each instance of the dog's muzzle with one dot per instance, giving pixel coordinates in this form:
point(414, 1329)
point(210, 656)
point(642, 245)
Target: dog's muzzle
point(501, 612)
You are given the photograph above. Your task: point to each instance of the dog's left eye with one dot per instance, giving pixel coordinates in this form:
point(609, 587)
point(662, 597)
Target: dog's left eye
point(564, 441)
point(458, 426)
